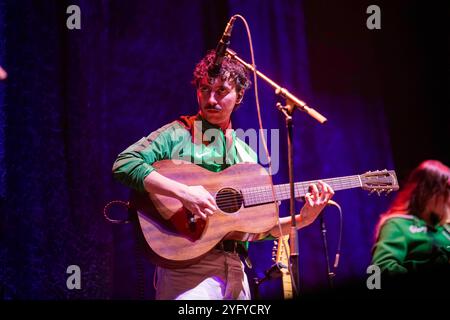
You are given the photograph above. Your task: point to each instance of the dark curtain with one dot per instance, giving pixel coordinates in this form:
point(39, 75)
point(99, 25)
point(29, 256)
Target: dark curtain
point(74, 99)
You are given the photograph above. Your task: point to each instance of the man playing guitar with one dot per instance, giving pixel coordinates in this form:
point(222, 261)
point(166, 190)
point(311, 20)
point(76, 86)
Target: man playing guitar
point(219, 274)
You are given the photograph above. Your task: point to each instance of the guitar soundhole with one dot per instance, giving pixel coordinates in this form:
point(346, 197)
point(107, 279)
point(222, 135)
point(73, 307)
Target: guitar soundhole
point(229, 200)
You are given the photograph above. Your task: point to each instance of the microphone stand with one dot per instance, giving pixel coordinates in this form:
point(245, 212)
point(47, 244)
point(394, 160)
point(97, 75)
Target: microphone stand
point(295, 102)
point(292, 103)
point(293, 239)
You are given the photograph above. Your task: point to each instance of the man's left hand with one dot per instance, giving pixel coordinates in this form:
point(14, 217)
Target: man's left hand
point(315, 200)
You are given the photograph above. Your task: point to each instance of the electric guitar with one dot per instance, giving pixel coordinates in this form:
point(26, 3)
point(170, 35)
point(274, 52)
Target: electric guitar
point(281, 258)
point(246, 202)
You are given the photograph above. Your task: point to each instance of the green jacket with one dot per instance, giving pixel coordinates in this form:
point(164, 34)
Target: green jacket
point(406, 244)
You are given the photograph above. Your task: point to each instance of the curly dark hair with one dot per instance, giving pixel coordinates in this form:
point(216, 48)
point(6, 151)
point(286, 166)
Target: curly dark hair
point(231, 70)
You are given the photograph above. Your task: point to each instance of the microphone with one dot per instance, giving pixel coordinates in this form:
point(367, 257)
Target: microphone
point(221, 49)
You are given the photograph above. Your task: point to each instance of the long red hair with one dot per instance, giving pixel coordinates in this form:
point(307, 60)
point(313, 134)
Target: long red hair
point(430, 178)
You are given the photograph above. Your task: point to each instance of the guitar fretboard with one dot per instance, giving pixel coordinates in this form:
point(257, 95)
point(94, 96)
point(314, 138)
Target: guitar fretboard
point(260, 195)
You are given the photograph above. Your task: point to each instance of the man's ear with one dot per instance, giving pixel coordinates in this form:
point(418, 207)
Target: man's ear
point(240, 96)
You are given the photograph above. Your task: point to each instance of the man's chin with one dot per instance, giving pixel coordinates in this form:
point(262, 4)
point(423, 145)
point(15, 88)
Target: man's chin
point(212, 115)
point(217, 121)
point(212, 120)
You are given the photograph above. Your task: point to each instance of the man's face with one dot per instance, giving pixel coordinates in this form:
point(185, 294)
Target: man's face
point(217, 100)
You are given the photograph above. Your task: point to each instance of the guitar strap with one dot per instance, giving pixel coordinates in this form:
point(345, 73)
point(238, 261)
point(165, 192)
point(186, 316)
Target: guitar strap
point(243, 252)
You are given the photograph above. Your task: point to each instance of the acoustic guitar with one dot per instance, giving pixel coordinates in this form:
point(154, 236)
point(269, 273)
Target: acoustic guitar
point(246, 206)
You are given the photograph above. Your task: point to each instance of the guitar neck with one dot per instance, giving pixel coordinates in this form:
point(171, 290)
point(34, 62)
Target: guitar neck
point(260, 195)
point(283, 253)
point(288, 292)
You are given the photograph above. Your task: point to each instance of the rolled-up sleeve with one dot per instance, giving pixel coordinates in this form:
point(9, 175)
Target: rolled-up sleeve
point(135, 162)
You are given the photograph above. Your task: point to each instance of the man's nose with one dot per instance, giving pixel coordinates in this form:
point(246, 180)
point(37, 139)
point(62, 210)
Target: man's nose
point(212, 98)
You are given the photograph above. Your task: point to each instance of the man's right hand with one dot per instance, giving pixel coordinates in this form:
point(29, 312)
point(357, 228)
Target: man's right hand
point(198, 201)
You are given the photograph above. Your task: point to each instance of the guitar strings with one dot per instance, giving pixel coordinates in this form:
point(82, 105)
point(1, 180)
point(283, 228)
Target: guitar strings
point(258, 192)
point(260, 196)
point(263, 194)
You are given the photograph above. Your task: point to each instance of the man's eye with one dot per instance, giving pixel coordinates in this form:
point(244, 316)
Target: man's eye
point(205, 89)
point(222, 91)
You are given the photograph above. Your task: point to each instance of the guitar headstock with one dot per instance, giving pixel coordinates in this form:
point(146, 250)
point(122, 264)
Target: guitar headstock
point(379, 181)
point(281, 252)
point(280, 255)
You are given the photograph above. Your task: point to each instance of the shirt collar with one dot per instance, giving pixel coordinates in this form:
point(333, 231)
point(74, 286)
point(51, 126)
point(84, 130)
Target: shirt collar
point(228, 133)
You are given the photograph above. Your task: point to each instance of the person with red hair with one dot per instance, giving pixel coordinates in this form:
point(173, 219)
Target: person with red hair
point(413, 236)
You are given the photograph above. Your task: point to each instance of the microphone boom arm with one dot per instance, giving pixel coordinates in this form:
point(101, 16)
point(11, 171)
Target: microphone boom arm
point(291, 100)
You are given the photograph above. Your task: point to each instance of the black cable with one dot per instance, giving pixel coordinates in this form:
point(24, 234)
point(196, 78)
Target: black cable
point(341, 219)
point(323, 230)
point(332, 273)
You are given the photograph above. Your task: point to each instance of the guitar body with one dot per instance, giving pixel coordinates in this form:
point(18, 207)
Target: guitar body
point(176, 238)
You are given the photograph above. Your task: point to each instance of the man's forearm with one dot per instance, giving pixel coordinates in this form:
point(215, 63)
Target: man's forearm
point(157, 183)
point(285, 223)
